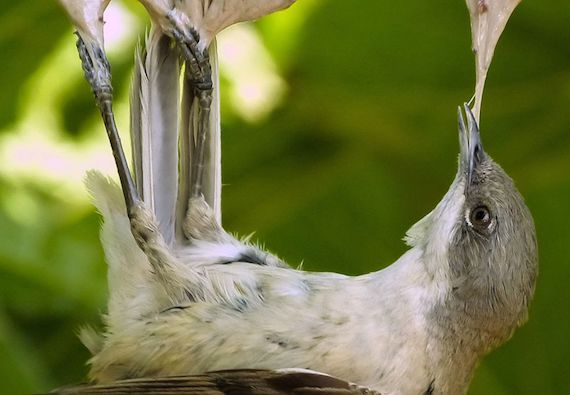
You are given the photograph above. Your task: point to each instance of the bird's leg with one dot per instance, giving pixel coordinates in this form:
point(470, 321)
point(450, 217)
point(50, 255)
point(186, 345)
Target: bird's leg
point(98, 73)
point(199, 71)
point(143, 223)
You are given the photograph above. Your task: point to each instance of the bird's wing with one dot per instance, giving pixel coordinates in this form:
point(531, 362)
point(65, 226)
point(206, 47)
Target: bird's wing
point(154, 128)
point(246, 382)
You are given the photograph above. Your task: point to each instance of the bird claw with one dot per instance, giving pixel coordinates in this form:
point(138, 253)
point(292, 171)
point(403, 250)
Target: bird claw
point(197, 61)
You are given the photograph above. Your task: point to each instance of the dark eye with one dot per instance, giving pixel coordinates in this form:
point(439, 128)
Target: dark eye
point(480, 217)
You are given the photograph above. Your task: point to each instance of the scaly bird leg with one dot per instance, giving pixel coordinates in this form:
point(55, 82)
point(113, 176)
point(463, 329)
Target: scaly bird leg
point(199, 71)
point(98, 73)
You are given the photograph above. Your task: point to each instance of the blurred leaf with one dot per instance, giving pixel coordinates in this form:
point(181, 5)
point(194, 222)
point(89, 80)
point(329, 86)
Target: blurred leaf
point(29, 30)
point(22, 370)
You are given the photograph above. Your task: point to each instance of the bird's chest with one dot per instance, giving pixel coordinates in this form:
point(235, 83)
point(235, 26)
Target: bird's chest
point(387, 352)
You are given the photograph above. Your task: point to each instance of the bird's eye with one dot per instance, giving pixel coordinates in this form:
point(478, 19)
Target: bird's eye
point(481, 218)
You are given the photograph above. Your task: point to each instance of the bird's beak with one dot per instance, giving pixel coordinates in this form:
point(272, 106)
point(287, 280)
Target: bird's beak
point(470, 144)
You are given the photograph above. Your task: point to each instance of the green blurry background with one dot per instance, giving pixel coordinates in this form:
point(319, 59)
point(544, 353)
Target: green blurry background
point(339, 132)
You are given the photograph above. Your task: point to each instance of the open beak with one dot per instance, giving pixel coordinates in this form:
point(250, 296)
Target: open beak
point(471, 148)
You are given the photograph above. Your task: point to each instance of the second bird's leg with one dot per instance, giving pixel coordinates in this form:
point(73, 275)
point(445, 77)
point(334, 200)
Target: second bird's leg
point(199, 71)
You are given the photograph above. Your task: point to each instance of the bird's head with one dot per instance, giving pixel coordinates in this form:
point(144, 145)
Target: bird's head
point(479, 243)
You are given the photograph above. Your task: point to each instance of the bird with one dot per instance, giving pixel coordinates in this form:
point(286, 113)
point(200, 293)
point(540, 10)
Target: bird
point(204, 300)
point(187, 297)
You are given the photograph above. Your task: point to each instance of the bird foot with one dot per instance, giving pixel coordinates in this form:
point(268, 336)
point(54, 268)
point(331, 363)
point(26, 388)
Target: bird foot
point(197, 60)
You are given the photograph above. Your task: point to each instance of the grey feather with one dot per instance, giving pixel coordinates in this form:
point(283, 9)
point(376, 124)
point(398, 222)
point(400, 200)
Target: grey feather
point(154, 128)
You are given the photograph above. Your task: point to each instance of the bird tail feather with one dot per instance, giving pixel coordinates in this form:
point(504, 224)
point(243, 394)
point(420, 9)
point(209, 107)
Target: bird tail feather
point(154, 133)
